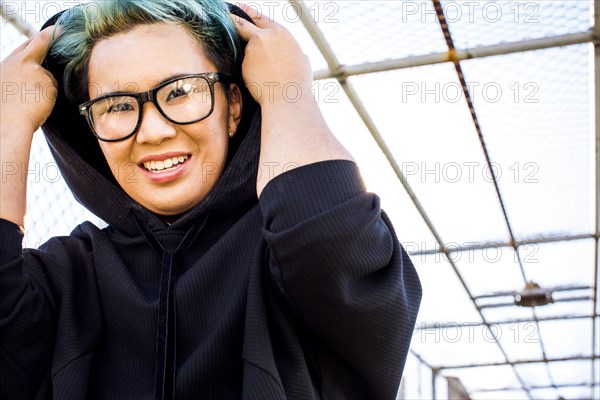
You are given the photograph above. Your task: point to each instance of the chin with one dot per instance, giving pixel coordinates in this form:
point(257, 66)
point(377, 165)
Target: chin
point(169, 209)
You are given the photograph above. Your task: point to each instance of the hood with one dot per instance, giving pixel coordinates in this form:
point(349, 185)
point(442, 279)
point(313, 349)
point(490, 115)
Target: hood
point(92, 183)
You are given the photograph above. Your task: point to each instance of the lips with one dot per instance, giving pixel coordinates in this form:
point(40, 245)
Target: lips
point(165, 167)
point(165, 164)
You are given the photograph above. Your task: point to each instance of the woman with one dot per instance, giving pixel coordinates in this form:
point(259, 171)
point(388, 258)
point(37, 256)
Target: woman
point(223, 273)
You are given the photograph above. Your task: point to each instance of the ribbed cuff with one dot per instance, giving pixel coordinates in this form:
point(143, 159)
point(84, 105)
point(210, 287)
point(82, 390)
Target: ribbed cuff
point(307, 191)
point(11, 237)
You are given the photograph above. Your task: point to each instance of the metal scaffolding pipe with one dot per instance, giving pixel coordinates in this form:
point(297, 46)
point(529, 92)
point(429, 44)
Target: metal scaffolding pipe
point(342, 72)
point(518, 362)
point(460, 325)
point(456, 248)
point(552, 289)
point(596, 107)
point(566, 385)
point(512, 304)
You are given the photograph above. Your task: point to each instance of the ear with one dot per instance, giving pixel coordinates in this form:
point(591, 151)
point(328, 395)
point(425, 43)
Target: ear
point(235, 107)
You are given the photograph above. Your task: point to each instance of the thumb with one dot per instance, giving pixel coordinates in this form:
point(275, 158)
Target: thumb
point(39, 45)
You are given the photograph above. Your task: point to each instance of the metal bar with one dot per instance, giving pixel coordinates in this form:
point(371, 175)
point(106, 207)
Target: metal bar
point(342, 72)
point(9, 12)
point(518, 362)
point(455, 247)
point(459, 325)
point(420, 378)
point(434, 375)
point(596, 31)
point(421, 360)
point(554, 289)
point(500, 305)
point(568, 385)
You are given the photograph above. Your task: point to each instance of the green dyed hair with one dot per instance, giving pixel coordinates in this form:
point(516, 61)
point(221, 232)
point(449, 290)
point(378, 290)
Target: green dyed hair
point(82, 26)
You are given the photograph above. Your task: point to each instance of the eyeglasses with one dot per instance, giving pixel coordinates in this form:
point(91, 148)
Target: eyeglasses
point(182, 100)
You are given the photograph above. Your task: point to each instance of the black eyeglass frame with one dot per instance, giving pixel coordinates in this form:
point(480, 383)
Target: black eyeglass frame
point(150, 95)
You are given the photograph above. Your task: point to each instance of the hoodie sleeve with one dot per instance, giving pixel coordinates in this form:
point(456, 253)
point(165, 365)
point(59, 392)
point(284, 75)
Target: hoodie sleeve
point(35, 297)
point(335, 256)
point(26, 319)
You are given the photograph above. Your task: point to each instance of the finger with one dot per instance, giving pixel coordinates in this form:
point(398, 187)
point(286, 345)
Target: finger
point(245, 29)
point(39, 44)
point(262, 21)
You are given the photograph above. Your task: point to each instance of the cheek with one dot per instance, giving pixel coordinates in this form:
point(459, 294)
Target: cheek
point(216, 143)
point(116, 150)
point(222, 106)
point(117, 158)
point(216, 132)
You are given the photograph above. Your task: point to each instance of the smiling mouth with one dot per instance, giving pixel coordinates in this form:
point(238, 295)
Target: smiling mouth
point(165, 165)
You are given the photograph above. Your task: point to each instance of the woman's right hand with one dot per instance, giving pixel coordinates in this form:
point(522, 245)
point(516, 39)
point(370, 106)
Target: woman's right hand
point(28, 95)
point(28, 90)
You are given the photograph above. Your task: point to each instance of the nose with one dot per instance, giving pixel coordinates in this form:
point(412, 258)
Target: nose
point(154, 128)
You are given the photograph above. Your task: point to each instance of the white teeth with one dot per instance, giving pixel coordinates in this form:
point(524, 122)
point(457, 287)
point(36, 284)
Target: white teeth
point(156, 166)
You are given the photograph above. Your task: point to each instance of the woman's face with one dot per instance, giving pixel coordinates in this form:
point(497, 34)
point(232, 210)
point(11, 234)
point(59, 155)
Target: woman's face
point(136, 61)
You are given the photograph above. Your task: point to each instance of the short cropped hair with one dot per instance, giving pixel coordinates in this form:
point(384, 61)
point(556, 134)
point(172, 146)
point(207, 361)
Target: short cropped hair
point(208, 21)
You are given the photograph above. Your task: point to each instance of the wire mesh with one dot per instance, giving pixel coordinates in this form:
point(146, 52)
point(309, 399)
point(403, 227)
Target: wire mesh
point(554, 332)
point(501, 314)
point(521, 341)
point(377, 173)
point(535, 375)
point(353, 29)
point(424, 119)
point(575, 371)
point(442, 287)
point(561, 264)
point(535, 110)
point(51, 208)
point(481, 23)
point(491, 269)
point(451, 345)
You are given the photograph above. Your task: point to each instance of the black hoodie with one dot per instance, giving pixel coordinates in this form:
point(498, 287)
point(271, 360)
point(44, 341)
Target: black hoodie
point(303, 294)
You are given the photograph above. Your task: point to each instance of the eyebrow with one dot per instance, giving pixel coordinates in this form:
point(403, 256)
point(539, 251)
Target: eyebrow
point(130, 87)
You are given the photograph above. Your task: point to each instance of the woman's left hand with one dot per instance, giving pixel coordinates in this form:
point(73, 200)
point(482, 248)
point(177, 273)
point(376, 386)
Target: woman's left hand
point(293, 130)
point(273, 59)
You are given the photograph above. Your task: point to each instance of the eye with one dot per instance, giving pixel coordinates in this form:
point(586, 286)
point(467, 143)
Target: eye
point(114, 105)
point(181, 90)
point(120, 107)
